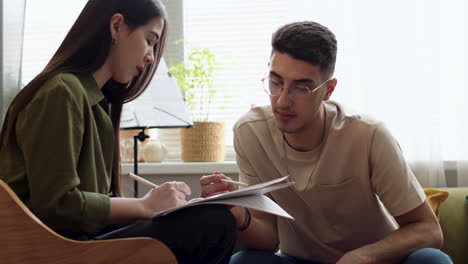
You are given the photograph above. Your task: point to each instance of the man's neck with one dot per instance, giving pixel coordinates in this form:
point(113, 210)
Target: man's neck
point(311, 137)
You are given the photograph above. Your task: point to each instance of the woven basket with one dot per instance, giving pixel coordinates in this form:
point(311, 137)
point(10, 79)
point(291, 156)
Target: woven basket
point(204, 142)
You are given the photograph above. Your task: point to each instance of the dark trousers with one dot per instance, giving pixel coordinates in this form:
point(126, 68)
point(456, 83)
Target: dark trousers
point(198, 234)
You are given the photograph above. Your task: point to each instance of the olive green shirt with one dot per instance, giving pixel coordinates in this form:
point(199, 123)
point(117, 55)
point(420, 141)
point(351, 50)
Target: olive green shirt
point(61, 162)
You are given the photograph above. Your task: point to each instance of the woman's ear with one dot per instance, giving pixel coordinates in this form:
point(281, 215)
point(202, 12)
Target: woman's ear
point(116, 22)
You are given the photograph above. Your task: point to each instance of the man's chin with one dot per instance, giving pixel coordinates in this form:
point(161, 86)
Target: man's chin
point(287, 127)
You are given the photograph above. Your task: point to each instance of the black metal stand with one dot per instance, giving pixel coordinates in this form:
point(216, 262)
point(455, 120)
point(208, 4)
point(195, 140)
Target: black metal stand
point(142, 136)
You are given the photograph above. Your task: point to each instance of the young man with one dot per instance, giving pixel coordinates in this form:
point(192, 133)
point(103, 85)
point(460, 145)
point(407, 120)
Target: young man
point(351, 180)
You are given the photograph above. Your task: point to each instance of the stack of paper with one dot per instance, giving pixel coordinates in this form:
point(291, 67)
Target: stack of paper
point(251, 197)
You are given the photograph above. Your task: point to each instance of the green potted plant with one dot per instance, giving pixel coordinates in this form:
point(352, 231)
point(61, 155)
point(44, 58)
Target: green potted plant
point(205, 141)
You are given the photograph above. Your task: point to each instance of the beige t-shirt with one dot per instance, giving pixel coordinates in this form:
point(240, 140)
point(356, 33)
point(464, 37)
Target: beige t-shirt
point(339, 185)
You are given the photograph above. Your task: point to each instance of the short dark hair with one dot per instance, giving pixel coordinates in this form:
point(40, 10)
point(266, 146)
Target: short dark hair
point(308, 41)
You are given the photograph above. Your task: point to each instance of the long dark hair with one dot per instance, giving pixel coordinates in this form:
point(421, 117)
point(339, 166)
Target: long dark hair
point(84, 50)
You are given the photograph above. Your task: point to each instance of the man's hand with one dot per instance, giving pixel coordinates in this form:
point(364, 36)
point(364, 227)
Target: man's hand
point(356, 257)
point(213, 184)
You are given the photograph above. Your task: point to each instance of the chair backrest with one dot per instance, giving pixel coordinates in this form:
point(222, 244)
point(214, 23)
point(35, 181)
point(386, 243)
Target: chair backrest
point(25, 239)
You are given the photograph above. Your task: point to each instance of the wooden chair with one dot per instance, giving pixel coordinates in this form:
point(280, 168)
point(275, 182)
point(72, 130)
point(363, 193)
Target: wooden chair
point(25, 239)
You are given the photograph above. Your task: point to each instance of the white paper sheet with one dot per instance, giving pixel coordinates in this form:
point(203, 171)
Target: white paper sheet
point(251, 197)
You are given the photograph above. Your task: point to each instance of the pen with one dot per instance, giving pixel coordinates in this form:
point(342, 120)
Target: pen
point(235, 182)
point(140, 179)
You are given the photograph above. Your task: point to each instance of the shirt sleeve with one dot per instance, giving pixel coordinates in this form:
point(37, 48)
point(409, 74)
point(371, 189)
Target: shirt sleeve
point(246, 172)
point(392, 179)
point(50, 133)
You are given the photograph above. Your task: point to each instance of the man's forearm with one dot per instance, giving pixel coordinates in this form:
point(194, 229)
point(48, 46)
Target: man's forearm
point(261, 232)
point(259, 235)
point(399, 244)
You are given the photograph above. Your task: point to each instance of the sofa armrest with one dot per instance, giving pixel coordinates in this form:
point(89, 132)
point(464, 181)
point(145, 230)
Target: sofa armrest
point(454, 223)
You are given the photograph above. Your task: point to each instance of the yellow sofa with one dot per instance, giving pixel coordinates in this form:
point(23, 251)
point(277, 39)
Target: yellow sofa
point(454, 223)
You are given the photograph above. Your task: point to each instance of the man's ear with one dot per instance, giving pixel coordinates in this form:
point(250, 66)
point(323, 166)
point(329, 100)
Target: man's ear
point(330, 88)
point(116, 23)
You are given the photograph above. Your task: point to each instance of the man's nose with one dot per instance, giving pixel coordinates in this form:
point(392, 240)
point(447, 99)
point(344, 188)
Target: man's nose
point(283, 98)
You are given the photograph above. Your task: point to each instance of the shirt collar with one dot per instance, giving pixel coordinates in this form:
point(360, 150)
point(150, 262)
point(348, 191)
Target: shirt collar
point(93, 92)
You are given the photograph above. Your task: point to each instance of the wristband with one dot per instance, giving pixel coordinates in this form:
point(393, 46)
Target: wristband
point(247, 219)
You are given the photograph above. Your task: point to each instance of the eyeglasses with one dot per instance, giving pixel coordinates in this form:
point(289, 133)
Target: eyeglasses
point(274, 88)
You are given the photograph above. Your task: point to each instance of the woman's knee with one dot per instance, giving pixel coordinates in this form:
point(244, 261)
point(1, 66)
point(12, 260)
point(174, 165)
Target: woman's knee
point(198, 234)
point(210, 218)
point(216, 228)
point(213, 214)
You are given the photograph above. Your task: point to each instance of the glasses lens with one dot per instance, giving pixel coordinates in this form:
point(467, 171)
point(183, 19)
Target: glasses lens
point(271, 86)
point(274, 87)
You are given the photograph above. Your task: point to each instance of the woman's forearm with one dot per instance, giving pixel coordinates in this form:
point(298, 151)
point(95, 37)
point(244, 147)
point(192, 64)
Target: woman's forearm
point(126, 210)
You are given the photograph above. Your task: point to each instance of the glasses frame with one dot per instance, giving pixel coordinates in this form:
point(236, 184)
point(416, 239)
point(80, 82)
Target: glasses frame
point(290, 95)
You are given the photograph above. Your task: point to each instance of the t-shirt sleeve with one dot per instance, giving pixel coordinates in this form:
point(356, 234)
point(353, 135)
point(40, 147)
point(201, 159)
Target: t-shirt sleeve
point(49, 132)
point(246, 172)
point(391, 177)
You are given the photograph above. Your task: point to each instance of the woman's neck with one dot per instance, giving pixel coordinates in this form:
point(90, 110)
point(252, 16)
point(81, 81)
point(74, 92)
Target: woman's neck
point(102, 75)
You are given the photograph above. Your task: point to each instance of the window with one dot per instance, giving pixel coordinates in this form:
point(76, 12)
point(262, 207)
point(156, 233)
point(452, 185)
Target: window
point(402, 62)
point(238, 33)
point(45, 28)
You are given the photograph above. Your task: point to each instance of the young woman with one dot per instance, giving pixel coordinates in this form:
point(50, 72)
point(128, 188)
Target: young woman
point(59, 142)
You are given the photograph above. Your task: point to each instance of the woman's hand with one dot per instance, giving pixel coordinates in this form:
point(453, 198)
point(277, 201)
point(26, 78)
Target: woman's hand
point(166, 196)
point(213, 184)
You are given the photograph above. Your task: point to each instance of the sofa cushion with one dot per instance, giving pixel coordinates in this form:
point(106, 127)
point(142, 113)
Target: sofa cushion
point(435, 198)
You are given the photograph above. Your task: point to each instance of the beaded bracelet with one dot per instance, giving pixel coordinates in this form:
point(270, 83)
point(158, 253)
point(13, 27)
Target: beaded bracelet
point(247, 219)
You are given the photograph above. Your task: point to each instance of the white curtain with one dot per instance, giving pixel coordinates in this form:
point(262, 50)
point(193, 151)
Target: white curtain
point(11, 41)
point(400, 61)
point(404, 62)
